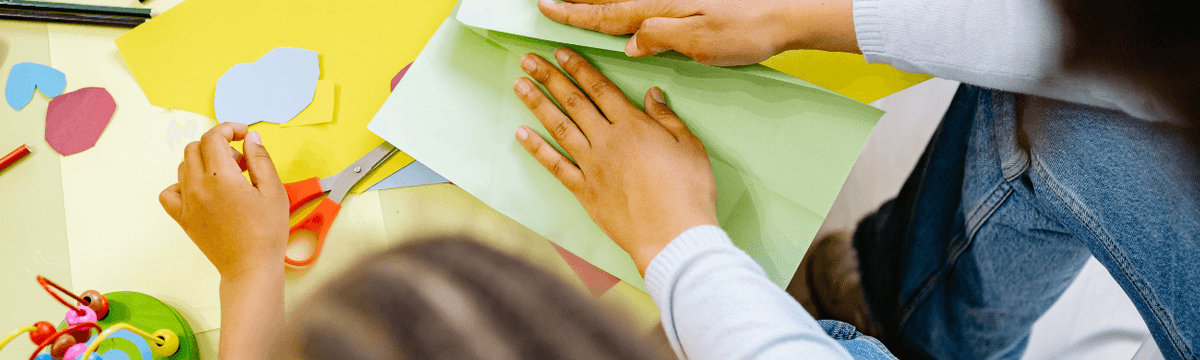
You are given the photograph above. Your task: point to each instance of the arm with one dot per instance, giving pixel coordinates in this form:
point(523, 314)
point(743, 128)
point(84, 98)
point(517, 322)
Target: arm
point(242, 227)
point(717, 303)
point(1011, 45)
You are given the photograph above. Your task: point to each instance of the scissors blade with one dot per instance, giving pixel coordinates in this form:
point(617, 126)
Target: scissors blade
point(354, 173)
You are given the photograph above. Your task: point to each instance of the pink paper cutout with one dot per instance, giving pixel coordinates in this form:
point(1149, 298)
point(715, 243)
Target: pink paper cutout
point(75, 120)
point(396, 79)
point(596, 280)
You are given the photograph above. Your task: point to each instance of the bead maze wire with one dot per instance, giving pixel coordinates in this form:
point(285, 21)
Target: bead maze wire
point(67, 330)
point(46, 284)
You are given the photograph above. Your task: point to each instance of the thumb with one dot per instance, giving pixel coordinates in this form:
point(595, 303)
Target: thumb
point(262, 170)
point(657, 35)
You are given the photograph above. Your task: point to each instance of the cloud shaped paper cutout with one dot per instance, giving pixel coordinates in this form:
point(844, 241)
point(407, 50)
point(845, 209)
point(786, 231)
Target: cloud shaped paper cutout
point(275, 88)
point(75, 120)
point(25, 77)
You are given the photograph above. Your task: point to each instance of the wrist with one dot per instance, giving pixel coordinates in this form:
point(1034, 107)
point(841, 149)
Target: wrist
point(645, 251)
point(826, 26)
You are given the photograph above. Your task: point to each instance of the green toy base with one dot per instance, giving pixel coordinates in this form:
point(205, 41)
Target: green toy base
point(148, 314)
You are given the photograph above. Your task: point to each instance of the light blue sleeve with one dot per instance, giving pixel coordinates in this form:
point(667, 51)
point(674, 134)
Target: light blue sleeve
point(717, 303)
point(1011, 45)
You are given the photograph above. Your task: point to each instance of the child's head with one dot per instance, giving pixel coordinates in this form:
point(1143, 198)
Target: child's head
point(454, 299)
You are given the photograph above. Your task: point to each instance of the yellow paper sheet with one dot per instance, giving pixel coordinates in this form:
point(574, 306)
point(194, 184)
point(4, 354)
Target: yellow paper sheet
point(845, 73)
point(320, 111)
point(178, 56)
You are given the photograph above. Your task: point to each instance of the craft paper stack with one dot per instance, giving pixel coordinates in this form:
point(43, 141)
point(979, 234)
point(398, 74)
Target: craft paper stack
point(780, 147)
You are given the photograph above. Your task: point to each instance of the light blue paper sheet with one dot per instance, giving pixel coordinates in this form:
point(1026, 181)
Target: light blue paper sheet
point(275, 88)
point(413, 174)
point(25, 77)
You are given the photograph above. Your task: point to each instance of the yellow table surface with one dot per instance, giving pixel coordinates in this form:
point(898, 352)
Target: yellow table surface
point(136, 157)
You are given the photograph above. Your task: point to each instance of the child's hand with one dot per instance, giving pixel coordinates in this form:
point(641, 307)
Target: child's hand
point(715, 32)
point(641, 175)
point(240, 226)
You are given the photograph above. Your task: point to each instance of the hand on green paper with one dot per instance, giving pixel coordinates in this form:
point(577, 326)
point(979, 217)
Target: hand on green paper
point(641, 175)
point(715, 32)
point(241, 226)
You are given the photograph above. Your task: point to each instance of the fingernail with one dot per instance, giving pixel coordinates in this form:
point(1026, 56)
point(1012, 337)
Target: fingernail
point(254, 137)
point(657, 94)
point(522, 87)
point(528, 64)
point(521, 134)
point(631, 47)
point(562, 55)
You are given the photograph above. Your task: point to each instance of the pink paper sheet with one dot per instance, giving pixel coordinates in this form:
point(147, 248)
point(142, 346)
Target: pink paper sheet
point(399, 75)
point(596, 280)
point(75, 120)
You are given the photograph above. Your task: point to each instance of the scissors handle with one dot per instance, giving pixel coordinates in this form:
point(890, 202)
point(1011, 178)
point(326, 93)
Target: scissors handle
point(318, 222)
point(303, 191)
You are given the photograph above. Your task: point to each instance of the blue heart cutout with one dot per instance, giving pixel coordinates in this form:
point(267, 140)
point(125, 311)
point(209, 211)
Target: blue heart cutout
point(25, 77)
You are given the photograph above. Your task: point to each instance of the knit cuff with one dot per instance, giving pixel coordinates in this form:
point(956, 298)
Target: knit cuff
point(868, 28)
point(668, 263)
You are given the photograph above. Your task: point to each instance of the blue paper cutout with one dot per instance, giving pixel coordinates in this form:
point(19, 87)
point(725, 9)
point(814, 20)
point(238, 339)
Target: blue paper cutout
point(25, 77)
point(414, 174)
point(274, 89)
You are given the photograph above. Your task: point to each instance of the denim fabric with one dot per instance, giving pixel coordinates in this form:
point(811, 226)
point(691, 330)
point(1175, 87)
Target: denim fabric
point(860, 346)
point(1009, 199)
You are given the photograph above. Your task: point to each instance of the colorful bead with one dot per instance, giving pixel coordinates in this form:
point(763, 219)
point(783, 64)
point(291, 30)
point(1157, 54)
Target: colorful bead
point(96, 302)
point(74, 351)
point(42, 333)
point(74, 318)
point(61, 344)
point(169, 343)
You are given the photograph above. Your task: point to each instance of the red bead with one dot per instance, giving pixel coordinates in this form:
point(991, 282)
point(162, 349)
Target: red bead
point(61, 344)
point(97, 302)
point(42, 333)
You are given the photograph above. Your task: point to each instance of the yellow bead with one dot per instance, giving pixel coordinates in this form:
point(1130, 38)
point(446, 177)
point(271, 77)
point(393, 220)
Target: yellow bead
point(165, 344)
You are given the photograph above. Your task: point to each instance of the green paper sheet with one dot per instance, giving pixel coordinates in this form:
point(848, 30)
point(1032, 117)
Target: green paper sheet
point(522, 18)
point(780, 151)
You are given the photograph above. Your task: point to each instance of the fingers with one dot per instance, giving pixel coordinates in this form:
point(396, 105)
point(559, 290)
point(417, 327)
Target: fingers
point(193, 162)
point(578, 106)
point(660, 34)
point(610, 17)
point(562, 168)
point(262, 170)
point(172, 201)
point(560, 126)
point(656, 107)
point(607, 96)
point(214, 146)
point(238, 158)
point(596, 2)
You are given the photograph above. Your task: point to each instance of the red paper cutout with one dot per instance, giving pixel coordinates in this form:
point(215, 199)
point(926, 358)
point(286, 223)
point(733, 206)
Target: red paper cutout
point(396, 79)
point(75, 120)
point(596, 280)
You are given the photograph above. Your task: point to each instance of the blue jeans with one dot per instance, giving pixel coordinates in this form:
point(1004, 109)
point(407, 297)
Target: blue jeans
point(860, 346)
point(1004, 208)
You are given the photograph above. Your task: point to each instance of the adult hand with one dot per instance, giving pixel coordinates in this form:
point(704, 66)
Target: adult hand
point(715, 32)
point(240, 226)
point(641, 175)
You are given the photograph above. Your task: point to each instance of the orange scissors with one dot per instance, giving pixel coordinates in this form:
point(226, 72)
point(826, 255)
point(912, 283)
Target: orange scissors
point(338, 185)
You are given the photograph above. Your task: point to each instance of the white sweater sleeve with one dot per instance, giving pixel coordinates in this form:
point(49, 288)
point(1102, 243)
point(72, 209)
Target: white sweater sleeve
point(717, 303)
point(1011, 45)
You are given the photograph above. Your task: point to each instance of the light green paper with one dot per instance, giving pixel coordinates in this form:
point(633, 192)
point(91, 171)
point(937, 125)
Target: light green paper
point(522, 18)
point(780, 152)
